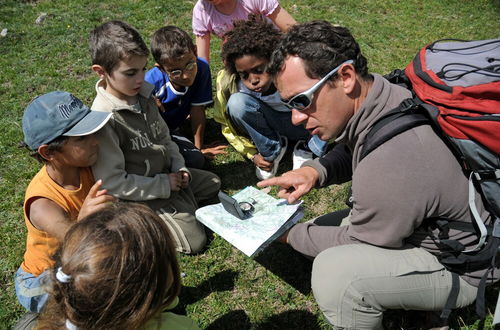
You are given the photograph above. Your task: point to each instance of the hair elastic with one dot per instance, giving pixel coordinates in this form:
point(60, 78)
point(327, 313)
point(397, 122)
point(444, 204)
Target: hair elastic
point(61, 276)
point(69, 325)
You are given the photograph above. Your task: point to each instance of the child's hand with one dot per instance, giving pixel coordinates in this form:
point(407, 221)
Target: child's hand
point(96, 200)
point(213, 149)
point(261, 163)
point(175, 180)
point(184, 179)
point(159, 104)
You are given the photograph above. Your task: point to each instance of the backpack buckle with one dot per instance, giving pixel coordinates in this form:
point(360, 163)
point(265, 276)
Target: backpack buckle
point(496, 228)
point(407, 104)
point(487, 175)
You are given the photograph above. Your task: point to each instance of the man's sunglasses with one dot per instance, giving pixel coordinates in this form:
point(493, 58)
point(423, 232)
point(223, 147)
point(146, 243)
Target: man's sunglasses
point(303, 100)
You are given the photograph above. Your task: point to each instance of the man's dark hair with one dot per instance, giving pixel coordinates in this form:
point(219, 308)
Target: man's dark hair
point(254, 36)
point(114, 41)
point(170, 42)
point(322, 46)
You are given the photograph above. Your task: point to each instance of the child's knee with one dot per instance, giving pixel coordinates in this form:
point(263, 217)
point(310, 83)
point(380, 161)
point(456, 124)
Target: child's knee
point(187, 233)
point(204, 184)
point(194, 240)
point(240, 105)
point(197, 243)
point(30, 291)
point(216, 182)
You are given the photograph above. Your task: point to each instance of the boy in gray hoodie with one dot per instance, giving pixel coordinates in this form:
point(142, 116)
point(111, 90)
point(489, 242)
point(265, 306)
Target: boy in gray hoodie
point(138, 160)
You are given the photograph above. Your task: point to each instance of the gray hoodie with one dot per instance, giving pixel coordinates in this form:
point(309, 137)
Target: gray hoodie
point(136, 152)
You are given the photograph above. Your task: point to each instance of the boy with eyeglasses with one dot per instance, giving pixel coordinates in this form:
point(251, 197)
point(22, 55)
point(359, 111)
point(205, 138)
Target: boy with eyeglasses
point(183, 88)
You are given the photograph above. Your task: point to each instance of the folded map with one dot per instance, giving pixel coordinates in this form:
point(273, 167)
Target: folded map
point(270, 218)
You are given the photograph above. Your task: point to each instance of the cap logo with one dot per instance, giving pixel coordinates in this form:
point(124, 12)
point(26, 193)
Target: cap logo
point(66, 109)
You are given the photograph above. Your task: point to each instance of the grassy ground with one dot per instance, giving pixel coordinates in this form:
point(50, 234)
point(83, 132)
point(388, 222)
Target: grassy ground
point(223, 288)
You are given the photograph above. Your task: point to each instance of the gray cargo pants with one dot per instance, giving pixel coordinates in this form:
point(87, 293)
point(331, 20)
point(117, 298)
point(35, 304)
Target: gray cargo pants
point(354, 284)
point(178, 210)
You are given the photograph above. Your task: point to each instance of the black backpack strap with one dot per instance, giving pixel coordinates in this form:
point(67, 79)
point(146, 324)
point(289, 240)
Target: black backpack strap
point(452, 298)
point(396, 121)
point(398, 77)
point(481, 289)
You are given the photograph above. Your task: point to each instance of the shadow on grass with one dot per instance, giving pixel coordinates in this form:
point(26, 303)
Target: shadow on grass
point(237, 174)
point(222, 281)
point(292, 319)
point(286, 320)
point(288, 265)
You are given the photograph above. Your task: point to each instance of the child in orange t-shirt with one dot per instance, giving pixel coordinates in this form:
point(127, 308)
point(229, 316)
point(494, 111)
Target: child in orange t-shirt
point(58, 129)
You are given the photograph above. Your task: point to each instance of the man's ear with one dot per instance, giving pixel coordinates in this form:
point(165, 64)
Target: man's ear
point(348, 78)
point(44, 151)
point(99, 70)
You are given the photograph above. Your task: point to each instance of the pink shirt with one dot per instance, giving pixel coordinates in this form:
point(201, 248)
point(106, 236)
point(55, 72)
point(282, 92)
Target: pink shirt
point(206, 19)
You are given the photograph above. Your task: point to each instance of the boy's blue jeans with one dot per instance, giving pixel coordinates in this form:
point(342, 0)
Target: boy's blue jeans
point(30, 291)
point(264, 125)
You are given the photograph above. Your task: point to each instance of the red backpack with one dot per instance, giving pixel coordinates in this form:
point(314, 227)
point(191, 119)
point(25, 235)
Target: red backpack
point(456, 88)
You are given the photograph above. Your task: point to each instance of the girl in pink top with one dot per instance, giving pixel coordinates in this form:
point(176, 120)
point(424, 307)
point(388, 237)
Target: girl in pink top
point(217, 16)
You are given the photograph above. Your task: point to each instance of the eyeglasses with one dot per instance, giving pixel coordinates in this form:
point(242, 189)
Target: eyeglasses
point(303, 100)
point(178, 72)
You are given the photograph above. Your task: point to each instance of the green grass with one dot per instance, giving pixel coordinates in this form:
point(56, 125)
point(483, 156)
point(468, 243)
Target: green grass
point(223, 288)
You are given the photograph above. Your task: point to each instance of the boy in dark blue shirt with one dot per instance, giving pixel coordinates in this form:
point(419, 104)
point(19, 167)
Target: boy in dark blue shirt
point(183, 88)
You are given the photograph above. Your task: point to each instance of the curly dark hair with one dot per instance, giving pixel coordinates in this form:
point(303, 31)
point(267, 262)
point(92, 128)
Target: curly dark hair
point(322, 46)
point(254, 36)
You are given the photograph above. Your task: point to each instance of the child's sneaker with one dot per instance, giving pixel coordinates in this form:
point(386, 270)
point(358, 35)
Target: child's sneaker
point(263, 175)
point(301, 154)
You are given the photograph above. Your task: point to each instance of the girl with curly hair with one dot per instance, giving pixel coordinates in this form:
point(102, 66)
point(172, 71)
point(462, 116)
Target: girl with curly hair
point(249, 107)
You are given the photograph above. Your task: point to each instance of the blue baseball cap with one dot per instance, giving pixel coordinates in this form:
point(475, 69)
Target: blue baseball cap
point(56, 114)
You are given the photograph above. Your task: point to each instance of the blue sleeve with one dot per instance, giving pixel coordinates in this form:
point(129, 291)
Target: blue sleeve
point(202, 85)
point(157, 78)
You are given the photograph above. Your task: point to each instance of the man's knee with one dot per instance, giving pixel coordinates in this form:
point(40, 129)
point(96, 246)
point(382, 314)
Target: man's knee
point(334, 276)
point(331, 276)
